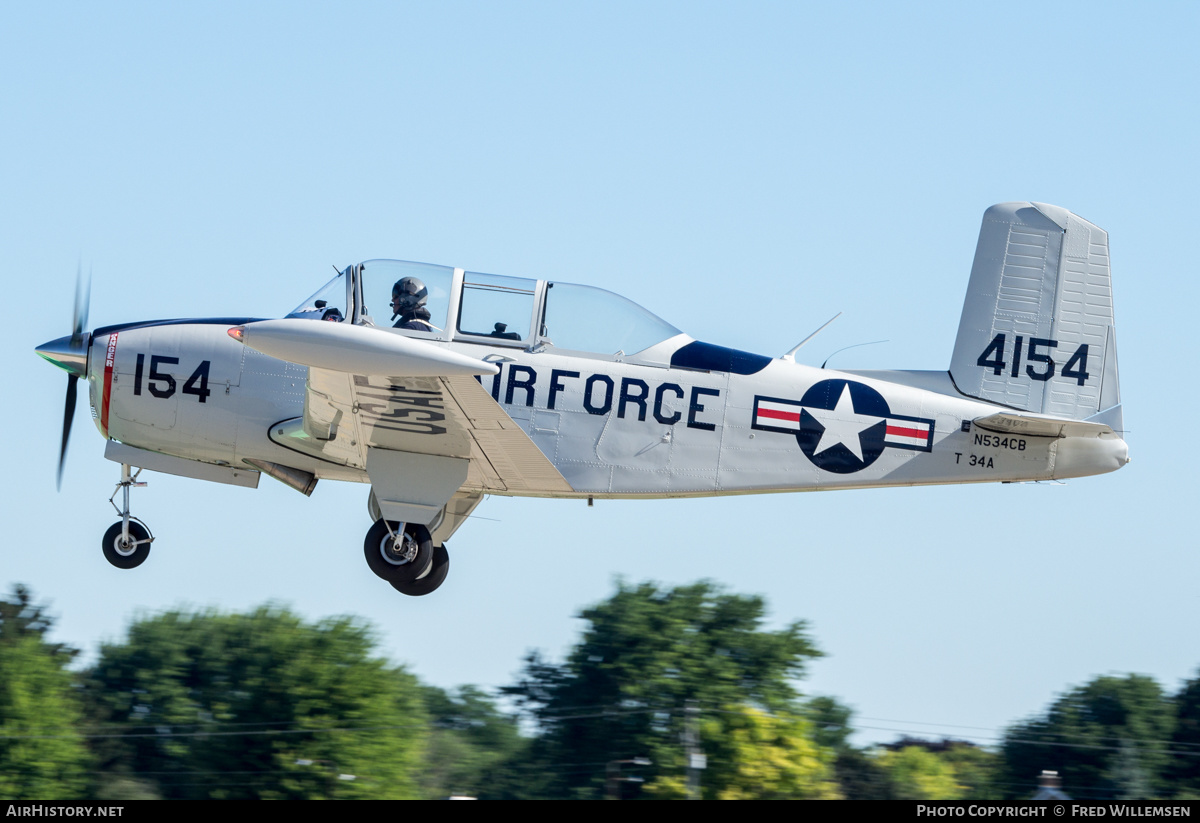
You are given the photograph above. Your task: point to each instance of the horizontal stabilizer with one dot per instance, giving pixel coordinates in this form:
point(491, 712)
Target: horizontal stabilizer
point(1038, 425)
point(350, 349)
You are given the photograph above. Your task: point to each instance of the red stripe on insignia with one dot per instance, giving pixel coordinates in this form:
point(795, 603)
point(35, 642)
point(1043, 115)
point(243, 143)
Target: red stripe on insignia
point(779, 415)
point(896, 431)
point(110, 359)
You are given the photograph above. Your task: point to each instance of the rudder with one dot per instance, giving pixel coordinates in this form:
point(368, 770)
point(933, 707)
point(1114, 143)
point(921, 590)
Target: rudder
point(1037, 329)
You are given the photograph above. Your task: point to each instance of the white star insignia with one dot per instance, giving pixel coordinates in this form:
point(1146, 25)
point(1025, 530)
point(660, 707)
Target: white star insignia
point(842, 425)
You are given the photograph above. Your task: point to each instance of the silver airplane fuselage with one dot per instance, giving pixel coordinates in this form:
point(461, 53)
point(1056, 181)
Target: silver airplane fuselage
point(613, 429)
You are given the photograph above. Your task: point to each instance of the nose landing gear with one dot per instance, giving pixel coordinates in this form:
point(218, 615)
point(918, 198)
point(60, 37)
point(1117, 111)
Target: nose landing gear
point(127, 542)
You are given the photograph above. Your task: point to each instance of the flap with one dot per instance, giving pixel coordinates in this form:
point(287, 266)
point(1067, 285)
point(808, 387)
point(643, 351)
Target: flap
point(439, 416)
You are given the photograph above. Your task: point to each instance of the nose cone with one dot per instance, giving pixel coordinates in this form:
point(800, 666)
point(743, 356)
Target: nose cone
point(69, 353)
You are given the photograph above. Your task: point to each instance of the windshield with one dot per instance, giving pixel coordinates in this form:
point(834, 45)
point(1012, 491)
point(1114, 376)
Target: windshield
point(329, 302)
point(587, 319)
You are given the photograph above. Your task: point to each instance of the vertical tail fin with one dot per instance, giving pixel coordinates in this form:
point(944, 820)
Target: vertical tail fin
point(1037, 326)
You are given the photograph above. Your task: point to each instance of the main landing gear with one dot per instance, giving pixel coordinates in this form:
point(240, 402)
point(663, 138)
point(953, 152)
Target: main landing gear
point(403, 554)
point(127, 542)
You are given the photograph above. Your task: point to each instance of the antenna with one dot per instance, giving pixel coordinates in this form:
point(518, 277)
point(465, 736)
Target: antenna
point(791, 355)
point(855, 346)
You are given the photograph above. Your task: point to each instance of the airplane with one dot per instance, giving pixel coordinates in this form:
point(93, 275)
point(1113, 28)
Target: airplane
point(484, 384)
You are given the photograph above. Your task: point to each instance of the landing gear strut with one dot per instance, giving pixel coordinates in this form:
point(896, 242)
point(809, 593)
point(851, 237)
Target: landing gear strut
point(127, 542)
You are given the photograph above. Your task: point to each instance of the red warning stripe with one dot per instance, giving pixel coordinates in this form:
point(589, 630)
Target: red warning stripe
point(777, 414)
point(897, 431)
point(110, 359)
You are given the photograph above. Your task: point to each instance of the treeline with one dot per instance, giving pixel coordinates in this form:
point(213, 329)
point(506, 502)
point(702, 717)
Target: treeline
point(669, 693)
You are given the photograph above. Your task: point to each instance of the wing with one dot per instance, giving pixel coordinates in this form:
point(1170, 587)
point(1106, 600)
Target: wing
point(452, 417)
point(413, 415)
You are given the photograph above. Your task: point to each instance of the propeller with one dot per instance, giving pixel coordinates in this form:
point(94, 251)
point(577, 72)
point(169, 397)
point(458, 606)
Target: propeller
point(70, 354)
point(83, 296)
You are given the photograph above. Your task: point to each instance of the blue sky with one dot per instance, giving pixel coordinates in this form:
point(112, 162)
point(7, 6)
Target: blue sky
point(743, 171)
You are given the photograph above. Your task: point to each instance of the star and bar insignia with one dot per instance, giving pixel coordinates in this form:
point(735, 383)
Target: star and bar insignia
point(842, 426)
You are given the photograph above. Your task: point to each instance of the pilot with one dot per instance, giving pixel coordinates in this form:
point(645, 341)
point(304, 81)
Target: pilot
point(408, 303)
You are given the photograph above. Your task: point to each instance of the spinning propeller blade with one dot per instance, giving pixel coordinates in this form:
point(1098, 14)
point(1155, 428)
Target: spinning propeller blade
point(68, 416)
point(70, 354)
point(83, 296)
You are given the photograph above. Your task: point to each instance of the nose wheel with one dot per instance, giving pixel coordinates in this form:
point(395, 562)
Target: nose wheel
point(127, 552)
point(126, 544)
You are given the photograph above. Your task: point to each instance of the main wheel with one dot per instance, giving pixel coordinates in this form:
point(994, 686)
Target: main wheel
point(438, 569)
point(402, 560)
point(126, 555)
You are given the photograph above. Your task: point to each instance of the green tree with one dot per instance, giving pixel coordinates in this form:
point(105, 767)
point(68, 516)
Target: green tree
point(42, 750)
point(259, 705)
point(858, 773)
point(1184, 771)
point(975, 771)
point(474, 749)
point(919, 774)
point(753, 755)
point(1109, 739)
point(831, 721)
point(646, 654)
point(861, 777)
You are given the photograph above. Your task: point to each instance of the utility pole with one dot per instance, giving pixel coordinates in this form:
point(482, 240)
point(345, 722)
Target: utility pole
point(696, 761)
point(612, 776)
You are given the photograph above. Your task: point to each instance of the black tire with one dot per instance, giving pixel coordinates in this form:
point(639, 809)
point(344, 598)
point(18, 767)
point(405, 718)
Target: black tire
point(121, 557)
point(385, 564)
point(438, 569)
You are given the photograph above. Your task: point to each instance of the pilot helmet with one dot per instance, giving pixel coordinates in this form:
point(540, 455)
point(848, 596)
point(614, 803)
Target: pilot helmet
point(408, 295)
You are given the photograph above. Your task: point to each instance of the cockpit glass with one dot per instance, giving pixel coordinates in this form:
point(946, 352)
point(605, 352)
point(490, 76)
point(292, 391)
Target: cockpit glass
point(587, 319)
point(329, 303)
point(496, 306)
point(383, 278)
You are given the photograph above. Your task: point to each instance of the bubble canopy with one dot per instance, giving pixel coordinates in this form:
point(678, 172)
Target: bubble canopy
point(587, 319)
point(473, 306)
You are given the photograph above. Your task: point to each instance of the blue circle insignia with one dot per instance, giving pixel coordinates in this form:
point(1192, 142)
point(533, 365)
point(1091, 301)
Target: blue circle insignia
point(845, 430)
